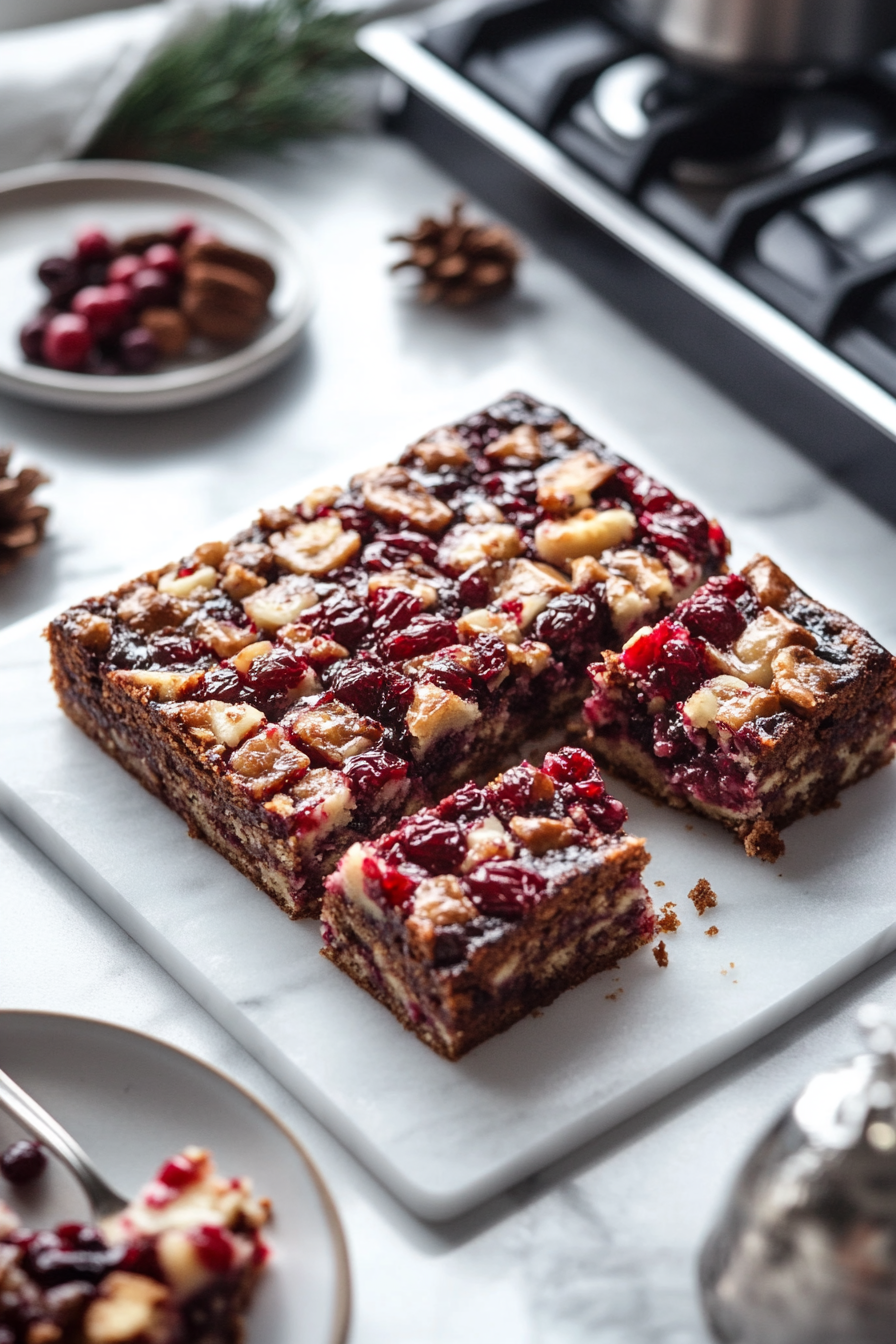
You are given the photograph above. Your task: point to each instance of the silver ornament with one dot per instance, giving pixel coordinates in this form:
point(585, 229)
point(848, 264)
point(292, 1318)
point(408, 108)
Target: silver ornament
point(805, 1250)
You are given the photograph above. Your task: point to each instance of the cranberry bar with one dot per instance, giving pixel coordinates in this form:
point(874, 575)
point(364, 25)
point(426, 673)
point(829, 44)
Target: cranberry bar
point(345, 661)
point(177, 1266)
point(477, 911)
point(751, 703)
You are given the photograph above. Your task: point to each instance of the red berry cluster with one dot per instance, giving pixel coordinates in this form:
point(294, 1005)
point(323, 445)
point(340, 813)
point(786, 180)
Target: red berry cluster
point(92, 322)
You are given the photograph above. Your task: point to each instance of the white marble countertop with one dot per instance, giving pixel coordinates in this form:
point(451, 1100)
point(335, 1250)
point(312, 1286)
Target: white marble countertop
point(601, 1248)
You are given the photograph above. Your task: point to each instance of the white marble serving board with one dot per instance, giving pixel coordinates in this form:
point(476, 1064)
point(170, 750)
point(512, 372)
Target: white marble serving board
point(441, 1136)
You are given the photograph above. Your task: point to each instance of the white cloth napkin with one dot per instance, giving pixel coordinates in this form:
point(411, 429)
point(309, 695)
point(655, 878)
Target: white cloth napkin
point(59, 81)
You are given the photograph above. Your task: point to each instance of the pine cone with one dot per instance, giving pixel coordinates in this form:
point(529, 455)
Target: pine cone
point(21, 522)
point(462, 263)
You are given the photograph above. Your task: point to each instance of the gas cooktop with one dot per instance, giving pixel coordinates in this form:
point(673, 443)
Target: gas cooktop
point(751, 228)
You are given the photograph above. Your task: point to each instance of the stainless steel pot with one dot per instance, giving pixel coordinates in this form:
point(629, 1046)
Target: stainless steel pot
point(766, 38)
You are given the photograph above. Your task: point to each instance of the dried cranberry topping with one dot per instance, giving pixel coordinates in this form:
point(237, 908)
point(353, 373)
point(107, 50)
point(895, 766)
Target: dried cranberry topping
point(341, 615)
point(514, 790)
point(214, 1248)
point(396, 548)
point(373, 689)
point(474, 588)
point(423, 634)
point(370, 771)
point(448, 674)
point(434, 843)
point(571, 622)
point(681, 527)
point(276, 673)
point(502, 887)
point(467, 804)
point(670, 741)
point(668, 660)
point(569, 765)
point(175, 650)
point(179, 1172)
point(23, 1162)
point(395, 886)
point(641, 489)
point(219, 683)
point(393, 608)
point(491, 656)
point(711, 613)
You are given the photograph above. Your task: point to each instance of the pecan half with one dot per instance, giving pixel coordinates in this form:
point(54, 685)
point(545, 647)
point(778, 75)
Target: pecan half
point(393, 494)
point(316, 548)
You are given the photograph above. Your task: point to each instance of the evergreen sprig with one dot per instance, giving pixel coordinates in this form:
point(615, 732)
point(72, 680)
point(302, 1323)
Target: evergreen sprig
point(252, 79)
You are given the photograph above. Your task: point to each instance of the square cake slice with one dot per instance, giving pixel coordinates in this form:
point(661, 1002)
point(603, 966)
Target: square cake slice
point(348, 659)
point(751, 703)
point(473, 913)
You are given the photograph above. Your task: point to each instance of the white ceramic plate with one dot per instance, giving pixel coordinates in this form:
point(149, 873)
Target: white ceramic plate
point(131, 1101)
point(41, 210)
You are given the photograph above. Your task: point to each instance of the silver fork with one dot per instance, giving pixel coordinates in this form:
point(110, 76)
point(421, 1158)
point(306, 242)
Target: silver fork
point(104, 1201)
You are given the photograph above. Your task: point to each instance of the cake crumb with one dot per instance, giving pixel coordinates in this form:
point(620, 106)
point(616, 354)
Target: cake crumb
point(688, 826)
point(668, 921)
point(610, 996)
point(659, 884)
point(703, 896)
point(712, 931)
point(763, 841)
point(731, 964)
point(661, 955)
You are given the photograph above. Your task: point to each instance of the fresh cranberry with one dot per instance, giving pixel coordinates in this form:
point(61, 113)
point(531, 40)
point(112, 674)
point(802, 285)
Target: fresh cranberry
point(214, 1248)
point(179, 1172)
point(123, 269)
point(31, 338)
point(67, 341)
point(503, 887)
point(106, 308)
point(151, 288)
point(433, 843)
point(61, 275)
point(711, 614)
point(423, 634)
point(163, 257)
point(139, 350)
point(181, 231)
point(93, 245)
point(23, 1161)
point(371, 771)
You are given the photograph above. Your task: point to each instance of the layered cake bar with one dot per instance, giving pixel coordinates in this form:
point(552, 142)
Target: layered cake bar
point(751, 703)
point(177, 1266)
point(473, 913)
point(342, 662)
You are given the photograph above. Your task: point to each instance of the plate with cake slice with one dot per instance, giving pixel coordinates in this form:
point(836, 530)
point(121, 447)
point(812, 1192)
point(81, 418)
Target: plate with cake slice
point(229, 1232)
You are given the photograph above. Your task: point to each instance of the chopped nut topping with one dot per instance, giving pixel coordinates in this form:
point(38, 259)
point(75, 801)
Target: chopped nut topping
point(267, 762)
point(488, 840)
point(590, 532)
point(326, 794)
point(238, 582)
point(394, 495)
point(564, 432)
point(522, 445)
point(203, 577)
point(228, 724)
point(765, 636)
point(162, 686)
point(316, 548)
point(442, 448)
point(280, 603)
point(442, 900)
point(128, 1307)
point(628, 606)
point(458, 653)
point(246, 657)
point(541, 834)
point(318, 649)
point(334, 732)
point(482, 511)
point(648, 574)
point(253, 555)
point(92, 632)
point(434, 713)
point(802, 679)
point(532, 585)
point(468, 545)
point(223, 636)
point(277, 519)
point(728, 701)
point(321, 498)
point(530, 654)
point(485, 622)
point(566, 486)
point(586, 572)
point(407, 579)
point(211, 553)
point(771, 585)
point(146, 610)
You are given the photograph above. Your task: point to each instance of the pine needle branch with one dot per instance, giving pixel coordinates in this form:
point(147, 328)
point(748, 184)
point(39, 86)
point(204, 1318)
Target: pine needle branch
point(253, 79)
